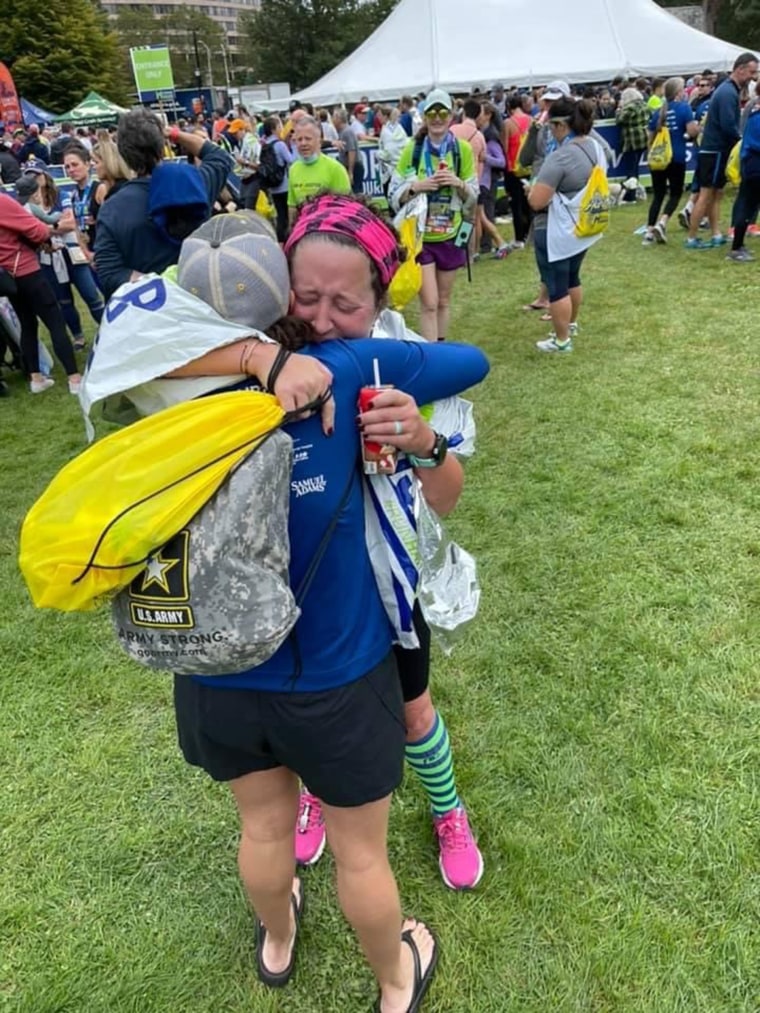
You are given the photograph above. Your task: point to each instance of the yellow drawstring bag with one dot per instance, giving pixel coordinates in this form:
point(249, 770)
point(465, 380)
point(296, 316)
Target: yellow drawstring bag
point(92, 530)
point(407, 281)
point(661, 150)
point(594, 205)
point(734, 165)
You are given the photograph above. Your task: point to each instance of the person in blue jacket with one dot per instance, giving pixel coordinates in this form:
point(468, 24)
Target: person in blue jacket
point(747, 203)
point(128, 242)
point(327, 707)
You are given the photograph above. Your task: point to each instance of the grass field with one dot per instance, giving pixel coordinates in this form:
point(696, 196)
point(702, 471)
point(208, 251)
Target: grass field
point(604, 707)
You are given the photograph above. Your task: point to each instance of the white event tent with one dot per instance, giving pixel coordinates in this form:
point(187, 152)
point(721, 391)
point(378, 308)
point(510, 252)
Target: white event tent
point(456, 44)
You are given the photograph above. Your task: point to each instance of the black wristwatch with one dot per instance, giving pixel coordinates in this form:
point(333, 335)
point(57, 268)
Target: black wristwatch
point(437, 454)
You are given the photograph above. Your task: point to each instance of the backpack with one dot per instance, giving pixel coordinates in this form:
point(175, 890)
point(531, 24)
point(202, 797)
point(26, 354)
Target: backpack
point(177, 200)
point(660, 153)
point(526, 152)
point(271, 173)
point(594, 203)
point(216, 597)
point(107, 511)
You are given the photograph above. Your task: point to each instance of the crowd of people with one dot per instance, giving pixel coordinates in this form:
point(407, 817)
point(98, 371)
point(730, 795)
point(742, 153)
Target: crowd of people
point(317, 762)
point(479, 145)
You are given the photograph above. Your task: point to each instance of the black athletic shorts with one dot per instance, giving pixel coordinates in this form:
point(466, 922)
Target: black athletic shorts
point(711, 169)
point(346, 744)
point(414, 663)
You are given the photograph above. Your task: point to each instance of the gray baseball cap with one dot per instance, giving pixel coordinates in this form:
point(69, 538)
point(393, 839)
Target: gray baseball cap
point(235, 264)
point(25, 186)
point(438, 97)
point(556, 89)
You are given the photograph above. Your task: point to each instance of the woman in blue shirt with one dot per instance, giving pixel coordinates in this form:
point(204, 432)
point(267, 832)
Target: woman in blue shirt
point(677, 115)
point(328, 706)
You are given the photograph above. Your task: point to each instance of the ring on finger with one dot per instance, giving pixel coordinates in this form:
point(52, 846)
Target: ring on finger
point(398, 428)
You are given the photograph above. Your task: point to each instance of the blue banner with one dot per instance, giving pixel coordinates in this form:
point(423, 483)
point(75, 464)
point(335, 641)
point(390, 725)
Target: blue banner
point(610, 132)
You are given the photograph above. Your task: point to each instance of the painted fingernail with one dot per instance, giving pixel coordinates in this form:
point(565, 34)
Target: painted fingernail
point(330, 430)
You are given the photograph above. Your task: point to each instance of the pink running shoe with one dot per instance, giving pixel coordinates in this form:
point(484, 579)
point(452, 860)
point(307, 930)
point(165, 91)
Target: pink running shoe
point(460, 859)
point(310, 830)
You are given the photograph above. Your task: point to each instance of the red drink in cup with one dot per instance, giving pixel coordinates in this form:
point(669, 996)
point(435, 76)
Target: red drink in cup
point(379, 458)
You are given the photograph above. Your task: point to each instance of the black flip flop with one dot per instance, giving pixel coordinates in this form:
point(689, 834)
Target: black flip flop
point(421, 981)
point(283, 977)
point(532, 306)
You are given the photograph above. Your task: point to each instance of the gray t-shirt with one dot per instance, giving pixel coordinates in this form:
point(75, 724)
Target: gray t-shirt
point(567, 170)
point(350, 144)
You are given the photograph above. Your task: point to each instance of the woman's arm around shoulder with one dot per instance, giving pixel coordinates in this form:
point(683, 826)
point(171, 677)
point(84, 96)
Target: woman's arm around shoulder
point(427, 371)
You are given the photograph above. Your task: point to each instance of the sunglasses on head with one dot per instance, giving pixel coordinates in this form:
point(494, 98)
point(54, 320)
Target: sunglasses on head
point(437, 114)
point(558, 121)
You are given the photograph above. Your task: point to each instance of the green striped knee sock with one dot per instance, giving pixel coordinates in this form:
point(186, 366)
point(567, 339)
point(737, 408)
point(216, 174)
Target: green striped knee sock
point(431, 760)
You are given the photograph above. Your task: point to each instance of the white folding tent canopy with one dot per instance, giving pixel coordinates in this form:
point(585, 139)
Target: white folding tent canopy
point(456, 44)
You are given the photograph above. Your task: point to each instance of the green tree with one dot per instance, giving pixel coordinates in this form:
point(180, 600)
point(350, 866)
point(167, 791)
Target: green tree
point(299, 40)
point(138, 27)
point(183, 25)
point(737, 21)
point(59, 50)
point(176, 30)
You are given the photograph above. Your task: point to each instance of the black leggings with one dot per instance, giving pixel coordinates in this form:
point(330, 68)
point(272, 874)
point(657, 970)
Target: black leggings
point(745, 209)
point(280, 201)
point(519, 203)
point(663, 180)
point(414, 662)
point(35, 298)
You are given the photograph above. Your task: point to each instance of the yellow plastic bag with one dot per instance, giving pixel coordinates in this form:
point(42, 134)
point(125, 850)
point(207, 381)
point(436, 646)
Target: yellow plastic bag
point(734, 165)
point(661, 150)
point(594, 209)
point(92, 530)
point(264, 206)
point(407, 281)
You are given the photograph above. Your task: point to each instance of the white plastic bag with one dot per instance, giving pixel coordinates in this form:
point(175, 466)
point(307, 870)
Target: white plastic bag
point(448, 591)
point(413, 558)
point(416, 208)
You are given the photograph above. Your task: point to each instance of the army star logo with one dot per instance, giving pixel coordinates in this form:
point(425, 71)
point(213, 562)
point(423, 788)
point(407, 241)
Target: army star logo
point(156, 570)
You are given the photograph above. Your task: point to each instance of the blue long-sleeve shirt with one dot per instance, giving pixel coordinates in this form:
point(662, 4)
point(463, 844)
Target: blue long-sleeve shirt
point(343, 631)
